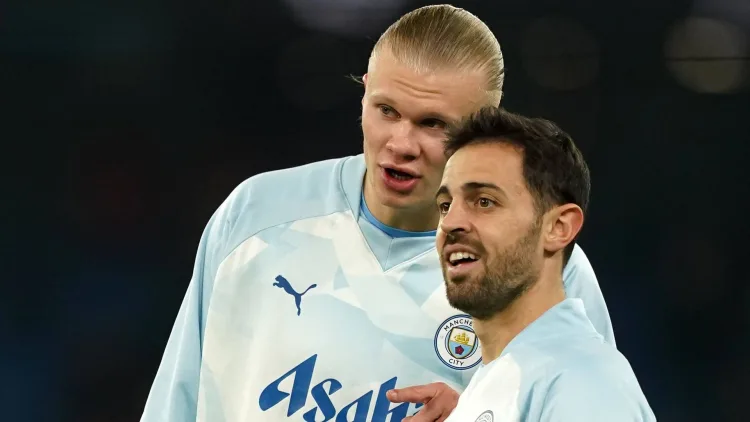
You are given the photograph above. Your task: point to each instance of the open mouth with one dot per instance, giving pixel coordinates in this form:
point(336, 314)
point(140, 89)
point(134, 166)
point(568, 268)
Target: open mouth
point(459, 258)
point(402, 181)
point(398, 175)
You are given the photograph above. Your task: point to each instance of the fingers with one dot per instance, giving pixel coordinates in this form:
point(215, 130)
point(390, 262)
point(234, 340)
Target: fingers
point(415, 394)
point(438, 399)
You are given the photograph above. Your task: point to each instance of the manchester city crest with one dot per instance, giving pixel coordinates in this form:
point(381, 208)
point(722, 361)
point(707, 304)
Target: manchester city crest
point(456, 344)
point(486, 416)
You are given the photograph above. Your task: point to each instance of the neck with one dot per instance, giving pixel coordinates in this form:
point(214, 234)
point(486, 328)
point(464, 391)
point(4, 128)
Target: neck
point(418, 218)
point(496, 332)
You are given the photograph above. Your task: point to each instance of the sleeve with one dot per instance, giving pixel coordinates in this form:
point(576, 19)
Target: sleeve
point(580, 282)
point(582, 396)
point(174, 392)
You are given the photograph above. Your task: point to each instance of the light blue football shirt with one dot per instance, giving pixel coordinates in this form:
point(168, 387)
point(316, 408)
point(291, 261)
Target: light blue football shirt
point(302, 308)
point(558, 369)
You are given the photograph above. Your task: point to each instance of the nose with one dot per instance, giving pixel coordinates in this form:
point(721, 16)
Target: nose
point(456, 221)
point(403, 143)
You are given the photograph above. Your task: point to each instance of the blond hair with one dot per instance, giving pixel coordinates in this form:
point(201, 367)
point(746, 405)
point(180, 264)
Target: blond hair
point(445, 37)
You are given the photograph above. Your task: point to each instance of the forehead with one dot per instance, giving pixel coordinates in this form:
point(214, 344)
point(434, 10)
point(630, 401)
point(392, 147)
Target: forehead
point(493, 162)
point(452, 93)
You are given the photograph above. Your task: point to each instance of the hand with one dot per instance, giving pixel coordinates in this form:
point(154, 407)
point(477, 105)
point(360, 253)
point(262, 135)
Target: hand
point(438, 399)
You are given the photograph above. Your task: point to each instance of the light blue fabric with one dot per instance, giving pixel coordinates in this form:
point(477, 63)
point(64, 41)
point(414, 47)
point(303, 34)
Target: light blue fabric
point(373, 318)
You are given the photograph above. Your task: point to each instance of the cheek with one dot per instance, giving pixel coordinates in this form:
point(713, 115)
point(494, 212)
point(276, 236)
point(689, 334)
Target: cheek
point(374, 132)
point(498, 236)
point(439, 240)
point(436, 158)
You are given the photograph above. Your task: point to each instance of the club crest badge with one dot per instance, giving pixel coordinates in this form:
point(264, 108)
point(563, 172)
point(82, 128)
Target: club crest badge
point(456, 344)
point(486, 416)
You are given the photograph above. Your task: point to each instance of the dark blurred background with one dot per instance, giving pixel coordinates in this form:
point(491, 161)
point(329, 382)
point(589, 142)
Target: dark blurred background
point(124, 125)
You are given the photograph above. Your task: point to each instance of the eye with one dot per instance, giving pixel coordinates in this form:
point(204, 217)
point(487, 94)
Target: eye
point(386, 110)
point(444, 207)
point(485, 203)
point(434, 123)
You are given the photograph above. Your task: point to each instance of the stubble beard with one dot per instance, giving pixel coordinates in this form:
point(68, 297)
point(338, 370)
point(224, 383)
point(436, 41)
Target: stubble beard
point(505, 277)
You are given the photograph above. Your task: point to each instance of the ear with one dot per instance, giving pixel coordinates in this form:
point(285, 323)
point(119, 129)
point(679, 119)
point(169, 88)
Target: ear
point(364, 83)
point(562, 225)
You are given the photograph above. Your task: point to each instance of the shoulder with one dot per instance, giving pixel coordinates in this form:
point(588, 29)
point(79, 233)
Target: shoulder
point(578, 268)
point(592, 386)
point(580, 281)
point(309, 180)
point(282, 196)
point(591, 363)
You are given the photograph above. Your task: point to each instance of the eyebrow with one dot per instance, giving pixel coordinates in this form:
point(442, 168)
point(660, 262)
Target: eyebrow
point(382, 98)
point(472, 186)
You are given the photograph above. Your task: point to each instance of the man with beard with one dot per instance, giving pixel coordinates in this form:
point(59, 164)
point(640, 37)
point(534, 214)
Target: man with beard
point(316, 290)
point(512, 202)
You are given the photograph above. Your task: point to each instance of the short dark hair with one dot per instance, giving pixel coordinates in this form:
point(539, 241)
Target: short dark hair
point(553, 167)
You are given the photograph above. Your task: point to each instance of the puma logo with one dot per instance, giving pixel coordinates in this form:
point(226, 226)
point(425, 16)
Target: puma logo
point(283, 283)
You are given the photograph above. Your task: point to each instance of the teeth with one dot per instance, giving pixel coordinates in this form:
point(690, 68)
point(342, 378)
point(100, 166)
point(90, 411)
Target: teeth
point(457, 256)
point(399, 175)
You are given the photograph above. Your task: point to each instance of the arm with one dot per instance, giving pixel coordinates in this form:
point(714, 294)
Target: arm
point(580, 282)
point(174, 392)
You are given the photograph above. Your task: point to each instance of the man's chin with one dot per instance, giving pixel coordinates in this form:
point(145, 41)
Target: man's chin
point(462, 303)
point(456, 282)
point(462, 279)
point(457, 288)
point(398, 200)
